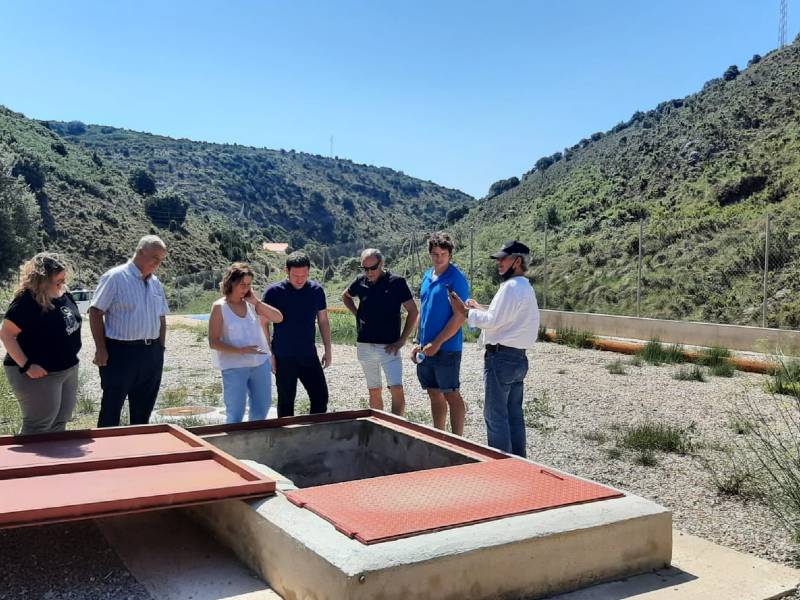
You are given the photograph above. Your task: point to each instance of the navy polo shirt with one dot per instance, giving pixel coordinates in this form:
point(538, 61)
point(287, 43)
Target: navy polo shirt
point(435, 309)
point(378, 315)
point(295, 335)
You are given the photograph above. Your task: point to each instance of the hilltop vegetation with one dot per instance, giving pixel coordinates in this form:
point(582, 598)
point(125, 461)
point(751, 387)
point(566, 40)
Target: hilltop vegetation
point(291, 196)
point(703, 171)
point(91, 191)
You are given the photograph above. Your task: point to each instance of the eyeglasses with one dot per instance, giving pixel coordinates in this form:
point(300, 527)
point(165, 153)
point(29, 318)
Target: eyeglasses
point(374, 267)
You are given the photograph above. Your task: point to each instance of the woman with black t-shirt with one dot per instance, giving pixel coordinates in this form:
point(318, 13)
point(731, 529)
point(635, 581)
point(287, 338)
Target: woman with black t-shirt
point(42, 335)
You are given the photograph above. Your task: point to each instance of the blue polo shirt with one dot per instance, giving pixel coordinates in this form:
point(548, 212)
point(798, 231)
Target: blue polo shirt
point(295, 335)
point(435, 309)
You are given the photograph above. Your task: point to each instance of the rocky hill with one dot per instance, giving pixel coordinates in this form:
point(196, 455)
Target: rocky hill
point(703, 172)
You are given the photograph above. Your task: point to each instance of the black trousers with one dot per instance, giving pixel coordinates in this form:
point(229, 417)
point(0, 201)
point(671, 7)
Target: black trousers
point(309, 371)
point(133, 371)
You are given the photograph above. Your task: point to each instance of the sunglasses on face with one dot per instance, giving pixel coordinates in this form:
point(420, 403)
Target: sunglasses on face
point(374, 267)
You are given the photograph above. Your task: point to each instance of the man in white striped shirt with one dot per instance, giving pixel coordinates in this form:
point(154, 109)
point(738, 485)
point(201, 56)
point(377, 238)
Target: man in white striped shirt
point(128, 322)
point(509, 326)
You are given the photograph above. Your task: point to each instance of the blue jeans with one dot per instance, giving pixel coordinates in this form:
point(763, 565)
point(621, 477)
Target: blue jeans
point(503, 378)
point(238, 384)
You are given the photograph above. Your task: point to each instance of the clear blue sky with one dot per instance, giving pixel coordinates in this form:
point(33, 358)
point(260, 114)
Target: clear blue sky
point(459, 92)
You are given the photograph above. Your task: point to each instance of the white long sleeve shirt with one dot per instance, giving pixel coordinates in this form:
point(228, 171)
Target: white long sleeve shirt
point(512, 319)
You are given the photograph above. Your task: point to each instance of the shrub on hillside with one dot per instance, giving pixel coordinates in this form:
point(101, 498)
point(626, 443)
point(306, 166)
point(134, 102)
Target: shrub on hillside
point(18, 227)
point(454, 214)
point(31, 171)
point(754, 61)
point(166, 209)
point(76, 128)
point(502, 185)
point(544, 162)
point(142, 182)
point(59, 148)
point(731, 73)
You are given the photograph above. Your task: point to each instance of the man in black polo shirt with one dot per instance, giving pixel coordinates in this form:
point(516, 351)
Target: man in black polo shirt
point(294, 350)
point(380, 295)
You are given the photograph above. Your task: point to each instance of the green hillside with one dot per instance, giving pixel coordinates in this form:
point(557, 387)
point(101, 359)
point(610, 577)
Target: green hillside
point(91, 192)
point(703, 171)
point(291, 196)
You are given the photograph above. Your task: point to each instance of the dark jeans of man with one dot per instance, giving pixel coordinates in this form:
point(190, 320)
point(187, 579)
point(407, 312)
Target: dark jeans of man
point(288, 369)
point(503, 377)
point(133, 371)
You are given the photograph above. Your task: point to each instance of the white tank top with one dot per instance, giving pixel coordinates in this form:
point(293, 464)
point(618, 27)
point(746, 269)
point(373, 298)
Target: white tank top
point(240, 331)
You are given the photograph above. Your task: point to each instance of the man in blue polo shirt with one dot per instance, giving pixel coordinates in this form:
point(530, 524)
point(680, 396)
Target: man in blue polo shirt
point(440, 336)
point(294, 349)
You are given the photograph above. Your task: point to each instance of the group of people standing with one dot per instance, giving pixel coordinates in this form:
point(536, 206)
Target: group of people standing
point(249, 338)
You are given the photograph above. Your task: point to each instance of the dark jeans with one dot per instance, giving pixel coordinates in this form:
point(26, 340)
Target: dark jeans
point(503, 377)
point(133, 371)
point(288, 369)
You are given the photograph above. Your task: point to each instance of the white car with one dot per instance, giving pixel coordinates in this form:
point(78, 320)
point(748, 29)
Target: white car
point(83, 298)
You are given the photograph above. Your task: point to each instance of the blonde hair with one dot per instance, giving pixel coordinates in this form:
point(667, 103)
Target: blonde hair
point(35, 276)
point(235, 273)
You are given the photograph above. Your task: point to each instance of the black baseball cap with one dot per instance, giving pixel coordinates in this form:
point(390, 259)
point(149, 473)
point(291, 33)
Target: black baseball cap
point(511, 247)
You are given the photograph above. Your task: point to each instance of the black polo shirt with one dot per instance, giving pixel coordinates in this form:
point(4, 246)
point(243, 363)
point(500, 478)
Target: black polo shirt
point(378, 316)
point(295, 335)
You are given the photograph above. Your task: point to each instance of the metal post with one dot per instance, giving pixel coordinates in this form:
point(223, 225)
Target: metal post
point(544, 290)
point(471, 242)
point(766, 271)
point(639, 274)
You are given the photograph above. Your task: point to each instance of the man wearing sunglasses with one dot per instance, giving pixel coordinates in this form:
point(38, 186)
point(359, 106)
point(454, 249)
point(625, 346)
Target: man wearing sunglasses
point(381, 295)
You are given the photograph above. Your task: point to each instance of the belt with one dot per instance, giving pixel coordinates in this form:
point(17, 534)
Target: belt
point(145, 342)
point(497, 347)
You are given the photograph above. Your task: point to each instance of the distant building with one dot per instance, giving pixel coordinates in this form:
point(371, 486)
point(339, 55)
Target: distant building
point(277, 247)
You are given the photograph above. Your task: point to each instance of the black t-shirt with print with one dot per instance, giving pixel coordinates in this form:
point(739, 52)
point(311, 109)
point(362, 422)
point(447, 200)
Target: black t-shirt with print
point(50, 339)
point(378, 315)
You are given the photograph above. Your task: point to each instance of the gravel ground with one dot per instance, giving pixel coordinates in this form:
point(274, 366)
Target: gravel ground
point(571, 394)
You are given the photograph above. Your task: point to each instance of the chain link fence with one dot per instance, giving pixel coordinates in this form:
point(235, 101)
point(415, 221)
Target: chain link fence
point(744, 273)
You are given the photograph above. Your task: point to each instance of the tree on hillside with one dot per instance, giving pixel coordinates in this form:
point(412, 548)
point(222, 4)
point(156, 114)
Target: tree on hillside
point(166, 209)
point(18, 233)
point(142, 182)
point(502, 185)
point(731, 73)
point(31, 171)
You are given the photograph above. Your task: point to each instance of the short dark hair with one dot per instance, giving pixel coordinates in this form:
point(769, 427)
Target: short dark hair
point(297, 259)
point(235, 273)
point(442, 240)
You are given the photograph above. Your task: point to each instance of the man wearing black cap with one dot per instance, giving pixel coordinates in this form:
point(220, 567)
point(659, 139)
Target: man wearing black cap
point(509, 326)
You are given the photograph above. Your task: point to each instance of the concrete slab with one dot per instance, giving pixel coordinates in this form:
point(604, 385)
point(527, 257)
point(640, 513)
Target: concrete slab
point(175, 559)
point(701, 570)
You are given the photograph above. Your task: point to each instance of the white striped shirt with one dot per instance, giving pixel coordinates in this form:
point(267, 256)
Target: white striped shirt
point(132, 305)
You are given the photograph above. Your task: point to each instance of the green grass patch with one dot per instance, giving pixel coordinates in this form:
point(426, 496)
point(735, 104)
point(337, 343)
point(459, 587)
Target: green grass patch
point(613, 453)
point(645, 458)
point(656, 436)
point(616, 368)
point(724, 369)
point(785, 379)
point(657, 353)
point(10, 416)
point(575, 338)
point(636, 361)
point(421, 416)
point(343, 329)
point(712, 357)
point(693, 373)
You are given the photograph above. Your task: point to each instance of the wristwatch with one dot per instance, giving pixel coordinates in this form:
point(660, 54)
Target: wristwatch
point(24, 368)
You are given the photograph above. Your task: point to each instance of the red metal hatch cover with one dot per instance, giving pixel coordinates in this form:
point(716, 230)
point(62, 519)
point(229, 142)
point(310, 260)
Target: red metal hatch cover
point(97, 472)
point(396, 506)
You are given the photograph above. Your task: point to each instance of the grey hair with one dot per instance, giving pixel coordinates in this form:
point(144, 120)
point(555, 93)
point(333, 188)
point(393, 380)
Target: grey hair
point(370, 252)
point(525, 263)
point(150, 241)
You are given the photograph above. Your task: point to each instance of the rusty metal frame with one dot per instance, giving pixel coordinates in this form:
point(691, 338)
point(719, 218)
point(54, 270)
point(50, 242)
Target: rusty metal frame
point(379, 417)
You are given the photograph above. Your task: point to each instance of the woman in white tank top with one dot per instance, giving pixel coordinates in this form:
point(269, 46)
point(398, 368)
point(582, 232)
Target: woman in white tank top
point(239, 345)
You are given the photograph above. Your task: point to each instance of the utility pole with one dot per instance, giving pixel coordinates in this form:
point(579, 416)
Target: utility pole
point(782, 24)
point(331, 154)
